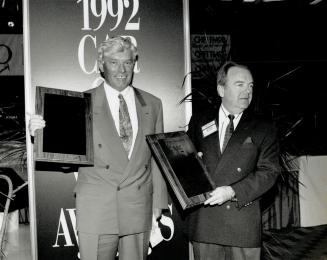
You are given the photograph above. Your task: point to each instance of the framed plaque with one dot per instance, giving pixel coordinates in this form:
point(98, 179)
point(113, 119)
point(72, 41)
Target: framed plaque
point(183, 168)
point(67, 138)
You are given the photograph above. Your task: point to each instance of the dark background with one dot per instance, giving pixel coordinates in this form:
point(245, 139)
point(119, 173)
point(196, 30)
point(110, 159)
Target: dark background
point(283, 44)
point(11, 17)
point(12, 107)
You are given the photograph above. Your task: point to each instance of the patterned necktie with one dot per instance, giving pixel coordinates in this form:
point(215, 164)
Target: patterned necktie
point(125, 125)
point(229, 131)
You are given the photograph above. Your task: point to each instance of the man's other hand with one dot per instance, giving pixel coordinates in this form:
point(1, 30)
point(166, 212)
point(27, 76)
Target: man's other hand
point(36, 122)
point(220, 195)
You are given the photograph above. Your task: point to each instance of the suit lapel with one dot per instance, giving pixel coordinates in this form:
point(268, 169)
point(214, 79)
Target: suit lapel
point(142, 111)
point(215, 148)
point(212, 141)
point(239, 133)
point(107, 129)
point(209, 145)
point(242, 131)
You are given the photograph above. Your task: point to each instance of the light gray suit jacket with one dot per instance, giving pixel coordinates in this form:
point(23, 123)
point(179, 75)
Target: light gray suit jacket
point(117, 195)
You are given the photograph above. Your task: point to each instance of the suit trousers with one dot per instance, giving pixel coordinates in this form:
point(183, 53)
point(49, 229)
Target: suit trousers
point(205, 251)
point(105, 247)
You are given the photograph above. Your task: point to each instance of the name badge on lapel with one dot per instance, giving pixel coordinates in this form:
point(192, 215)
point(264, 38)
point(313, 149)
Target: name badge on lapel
point(209, 128)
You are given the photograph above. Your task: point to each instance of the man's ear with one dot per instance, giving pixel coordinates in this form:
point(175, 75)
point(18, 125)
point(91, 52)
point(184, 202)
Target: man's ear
point(220, 90)
point(100, 66)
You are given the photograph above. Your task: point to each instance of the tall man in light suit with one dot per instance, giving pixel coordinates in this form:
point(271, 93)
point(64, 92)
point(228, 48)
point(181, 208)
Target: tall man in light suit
point(243, 168)
point(117, 198)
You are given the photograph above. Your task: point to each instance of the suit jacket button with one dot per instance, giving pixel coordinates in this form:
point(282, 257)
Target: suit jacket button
point(107, 167)
point(239, 169)
point(228, 207)
point(118, 188)
point(100, 145)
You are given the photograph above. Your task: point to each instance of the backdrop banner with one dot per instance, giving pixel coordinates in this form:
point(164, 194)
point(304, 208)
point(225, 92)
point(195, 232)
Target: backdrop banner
point(64, 35)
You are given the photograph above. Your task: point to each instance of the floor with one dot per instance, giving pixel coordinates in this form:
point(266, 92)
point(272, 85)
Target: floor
point(298, 243)
point(17, 244)
point(302, 243)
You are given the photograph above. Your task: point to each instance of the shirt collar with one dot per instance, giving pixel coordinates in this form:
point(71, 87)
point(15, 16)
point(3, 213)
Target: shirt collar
point(224, 112)
point(114, 92)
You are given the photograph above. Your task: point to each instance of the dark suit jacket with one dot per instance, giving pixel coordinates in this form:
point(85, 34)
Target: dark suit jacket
point(250, 164)
point(117, 195)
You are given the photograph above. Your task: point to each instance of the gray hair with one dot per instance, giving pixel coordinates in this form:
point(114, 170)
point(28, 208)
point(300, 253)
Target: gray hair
point(114, 45)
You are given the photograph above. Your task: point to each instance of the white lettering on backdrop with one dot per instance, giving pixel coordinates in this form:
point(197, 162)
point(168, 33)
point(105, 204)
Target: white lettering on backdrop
point(105, 12)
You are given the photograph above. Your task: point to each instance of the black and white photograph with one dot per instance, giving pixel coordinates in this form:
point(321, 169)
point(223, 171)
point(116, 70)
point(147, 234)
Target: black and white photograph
point(154, 130)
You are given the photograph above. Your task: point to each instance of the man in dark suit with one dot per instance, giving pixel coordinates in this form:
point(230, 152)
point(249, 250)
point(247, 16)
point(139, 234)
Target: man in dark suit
point(243, 167)
point(117, 197)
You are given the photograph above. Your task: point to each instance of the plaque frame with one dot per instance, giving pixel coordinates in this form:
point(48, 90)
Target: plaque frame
point(171, 150)
point(48, 159)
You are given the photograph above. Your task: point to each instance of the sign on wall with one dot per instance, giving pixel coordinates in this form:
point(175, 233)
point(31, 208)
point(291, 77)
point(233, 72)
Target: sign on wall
point(208, 53)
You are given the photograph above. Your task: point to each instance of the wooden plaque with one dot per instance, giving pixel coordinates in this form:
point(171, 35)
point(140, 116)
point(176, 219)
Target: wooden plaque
point(67, 138)
point(183, 168)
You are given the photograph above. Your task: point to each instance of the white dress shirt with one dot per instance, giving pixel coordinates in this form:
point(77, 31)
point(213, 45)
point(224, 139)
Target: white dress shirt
point(224, 121)
point(113, 101)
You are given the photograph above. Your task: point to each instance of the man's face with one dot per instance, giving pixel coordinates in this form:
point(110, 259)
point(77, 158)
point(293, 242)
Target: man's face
point(237, 93)
point(118, 69)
